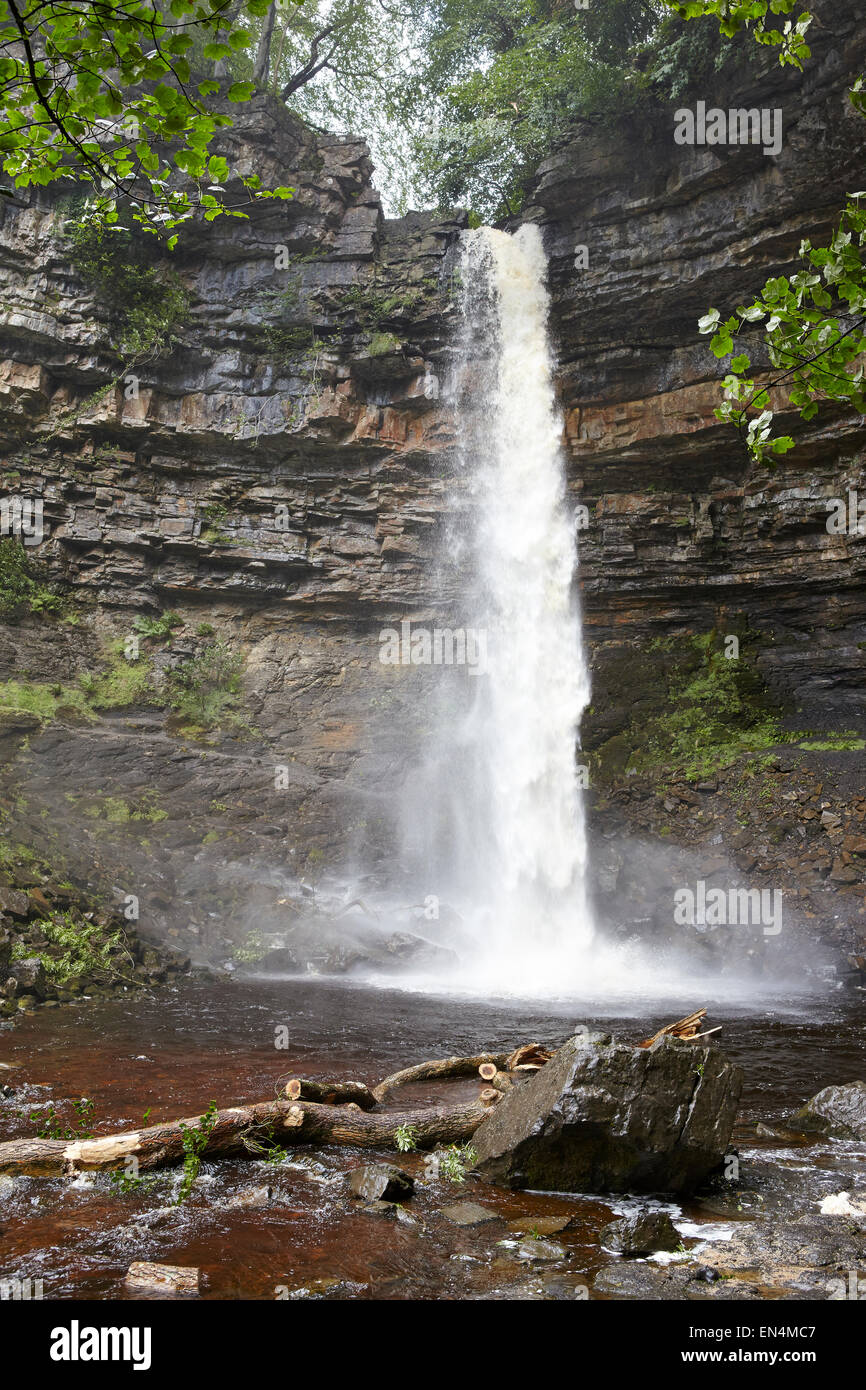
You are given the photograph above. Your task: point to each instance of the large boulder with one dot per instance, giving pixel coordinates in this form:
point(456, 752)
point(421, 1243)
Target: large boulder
point(31, 976)
point(838, 1111)
point(603, 1116)
point(642, 1233)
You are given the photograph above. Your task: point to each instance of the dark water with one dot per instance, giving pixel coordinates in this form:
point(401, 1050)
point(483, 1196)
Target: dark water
point(175, 1051)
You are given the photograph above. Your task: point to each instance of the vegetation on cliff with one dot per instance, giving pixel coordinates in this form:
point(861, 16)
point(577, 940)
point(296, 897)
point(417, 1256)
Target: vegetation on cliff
point(705, 712)
point(24, 587)
point(146, 304)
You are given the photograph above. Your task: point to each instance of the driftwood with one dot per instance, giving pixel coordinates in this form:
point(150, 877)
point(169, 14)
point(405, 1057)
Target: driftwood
point(685, 1028)
point(348, 1116)
point(444, 1069)
point(331, 1092)
point(527, 1058)
point(241, 1132)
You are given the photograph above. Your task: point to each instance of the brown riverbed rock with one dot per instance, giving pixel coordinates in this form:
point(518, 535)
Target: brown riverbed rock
point(603, 1116)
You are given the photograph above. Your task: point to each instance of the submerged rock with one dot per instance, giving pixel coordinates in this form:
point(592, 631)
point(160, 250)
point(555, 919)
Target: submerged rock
point(837, 1111)
point(380, 1208)
point(539, 1225)
point(381, 1182)
point(467, 1214)
point(251, 1197)
point(322, 1289)
point(609, 1117)
point(642, 1233)
point(534, 1248)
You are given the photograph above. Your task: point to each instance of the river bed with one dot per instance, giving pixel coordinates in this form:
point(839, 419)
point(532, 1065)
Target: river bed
point(172, 1052)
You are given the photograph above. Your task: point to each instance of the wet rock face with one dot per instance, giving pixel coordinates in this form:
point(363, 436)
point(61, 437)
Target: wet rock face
point(31, 977)
point(283, 478)
point(641, 1234)
point(683, 529)
point(381, 1182)
point(837, 1111)
point(603, 1116)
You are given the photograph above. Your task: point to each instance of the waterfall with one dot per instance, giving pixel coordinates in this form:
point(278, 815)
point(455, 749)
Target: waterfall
point(501, 798)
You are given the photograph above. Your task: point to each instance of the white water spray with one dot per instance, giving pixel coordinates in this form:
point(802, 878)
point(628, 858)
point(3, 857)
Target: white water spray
point(492, 813)
point(526, 870)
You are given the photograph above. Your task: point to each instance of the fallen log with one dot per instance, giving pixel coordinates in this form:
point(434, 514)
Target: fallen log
point(459, 1066)
point(496, 1080)
point(331, 1092)
point(307, 1112)
point(241, 1132)
point(529, 1057)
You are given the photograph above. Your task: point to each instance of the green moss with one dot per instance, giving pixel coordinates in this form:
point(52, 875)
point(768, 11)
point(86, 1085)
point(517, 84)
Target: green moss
point(383, 343)
point(123, 683)
point(711, 710)
point(835, 743)
point(13, 855)
point(116, 811)
point(24, 584)
point(42, 699)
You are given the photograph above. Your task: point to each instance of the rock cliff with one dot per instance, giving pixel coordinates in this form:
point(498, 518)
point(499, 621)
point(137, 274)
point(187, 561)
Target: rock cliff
point(254, 499)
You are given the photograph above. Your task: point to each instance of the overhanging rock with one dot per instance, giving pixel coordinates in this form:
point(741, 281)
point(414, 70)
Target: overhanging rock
point(604, 1116)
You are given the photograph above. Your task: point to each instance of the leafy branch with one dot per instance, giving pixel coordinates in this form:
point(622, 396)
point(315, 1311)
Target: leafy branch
point(105, 94)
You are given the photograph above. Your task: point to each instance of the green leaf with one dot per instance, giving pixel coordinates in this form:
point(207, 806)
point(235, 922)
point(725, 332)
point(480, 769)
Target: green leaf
point(708, 323)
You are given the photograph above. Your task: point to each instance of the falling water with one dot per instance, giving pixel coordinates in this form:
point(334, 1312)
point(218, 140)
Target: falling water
point(493, 847)
point(492, 814)
point(518, 847)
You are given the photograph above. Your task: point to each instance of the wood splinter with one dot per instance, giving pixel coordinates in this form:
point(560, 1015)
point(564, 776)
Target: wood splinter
point(686, 1029)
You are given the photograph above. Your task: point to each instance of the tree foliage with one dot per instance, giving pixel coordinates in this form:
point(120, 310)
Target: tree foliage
point(120, 96)
point(500, 81)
